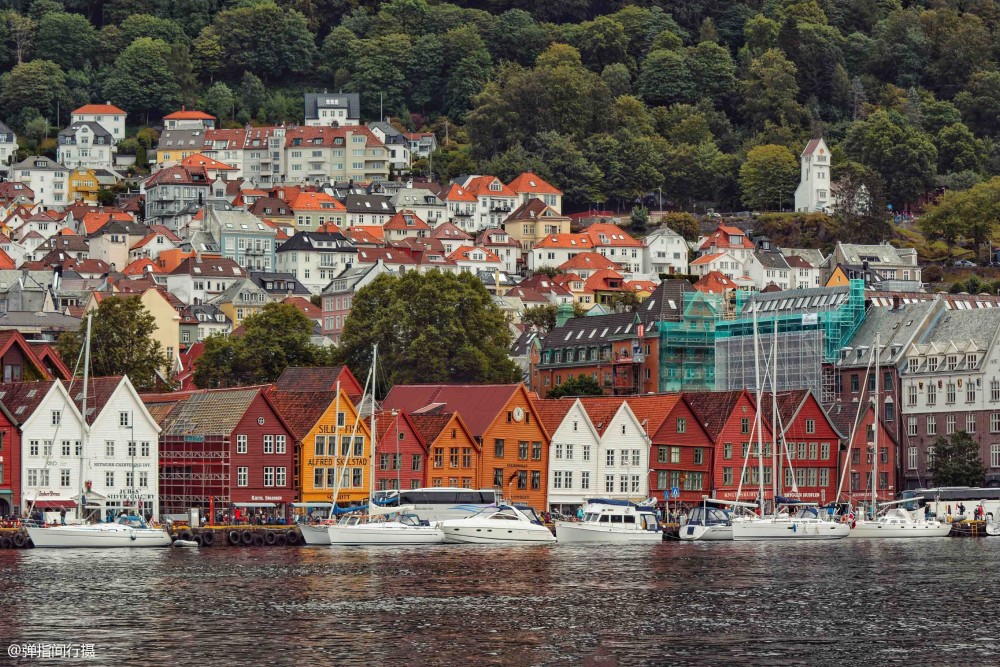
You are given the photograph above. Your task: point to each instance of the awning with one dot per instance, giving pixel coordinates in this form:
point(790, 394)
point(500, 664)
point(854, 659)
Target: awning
point(55, 504)
point(324, 506)
point(254, 505)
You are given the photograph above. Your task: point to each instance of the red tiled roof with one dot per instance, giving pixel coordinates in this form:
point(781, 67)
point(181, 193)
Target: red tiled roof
point(405, 220)
point(316, 201)
point(570, 241)
point(199, 160)
point(447, 230)
point(318, 378)
point(464, 252)
point(98, 109)
point(720, 239)
point(601, 280)
point(480, 186)
point(532, 183)
point(456, 192)
point(589, 261)
point(141, 267)
point(304, 305)
point(705, 259)
point(714, 408)
point(613, 236)
point(22, 398)
point(327, 136)
point(184, 114)
point(553, 411)
point(95, 220)
point(714, 283)
point(479, 405)
point(5, 261)
point(301, 410)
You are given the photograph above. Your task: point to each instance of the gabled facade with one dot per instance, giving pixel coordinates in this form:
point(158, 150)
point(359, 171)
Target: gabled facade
point(681, 451)
point(108, 116)
point(315, 258)
point(665, 252)
point(401, 455)
point(813, 192)
point(573, 454)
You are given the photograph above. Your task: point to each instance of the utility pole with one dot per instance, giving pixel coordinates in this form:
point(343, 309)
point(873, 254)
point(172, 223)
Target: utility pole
point(445, 131)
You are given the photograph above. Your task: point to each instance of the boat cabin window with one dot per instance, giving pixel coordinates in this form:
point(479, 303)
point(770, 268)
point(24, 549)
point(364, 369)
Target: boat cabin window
point(605, 518)
point(629, 518)
point(616, 518)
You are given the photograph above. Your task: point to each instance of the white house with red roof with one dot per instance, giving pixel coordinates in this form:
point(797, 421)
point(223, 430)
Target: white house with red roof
point(423, 202)
point(618, 246)
point(405, 224)
point(108, 116)
point(530, 186)
point(665, 252)
point(726, 239)
point(451, 237)
point(476, 258)
point(500, 243)
point(312, 210)
point(189, 120)
point(156, 241)
point(495, 201)
point(557, 249)
point(255, 153)
point(461, 205)
point(813, 192)
point(722, 262)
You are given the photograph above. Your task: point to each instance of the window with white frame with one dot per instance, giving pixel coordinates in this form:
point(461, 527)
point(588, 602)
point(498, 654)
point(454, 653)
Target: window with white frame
point(931, 425)
point(124, 418)
point(911, 426)
point(269, 444)
point(995, 456)
point(970, 423)
point(911, 395)
point(949, 424)
point(911, 458)
point(241, 443)
point(243, 476)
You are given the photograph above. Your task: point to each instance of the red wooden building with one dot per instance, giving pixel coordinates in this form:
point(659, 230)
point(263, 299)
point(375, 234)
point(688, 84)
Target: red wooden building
point(400, 452)
point(859, 450)
point(681, 450)
point(728, 418)
point(10, 462)
point(223, 449)
point(809, 446)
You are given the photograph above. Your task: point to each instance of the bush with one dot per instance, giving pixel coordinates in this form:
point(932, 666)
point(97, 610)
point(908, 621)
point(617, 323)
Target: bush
point(933, 274)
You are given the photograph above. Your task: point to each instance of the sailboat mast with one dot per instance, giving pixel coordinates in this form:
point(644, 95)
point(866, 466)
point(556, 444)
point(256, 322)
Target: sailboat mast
point(83, 422)
point(878, 372)
point(774, 412)
point(757, 420)
point(336, 452)
point(371, 474)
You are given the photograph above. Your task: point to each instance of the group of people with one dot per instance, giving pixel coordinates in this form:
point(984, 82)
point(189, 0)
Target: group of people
point(241, 517)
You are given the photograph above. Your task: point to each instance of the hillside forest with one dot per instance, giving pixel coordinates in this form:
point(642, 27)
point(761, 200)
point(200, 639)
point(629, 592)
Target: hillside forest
point(695, 103)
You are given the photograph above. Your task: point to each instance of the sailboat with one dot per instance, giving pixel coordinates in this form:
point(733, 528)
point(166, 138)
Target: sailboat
point(893, 521)
point(378, 527)
point(128, 531)
point(798, 521)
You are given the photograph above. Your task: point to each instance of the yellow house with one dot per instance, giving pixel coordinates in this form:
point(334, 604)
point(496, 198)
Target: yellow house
point(83, 186)
point(165, 317)
point(332, 442)
point(838, 278)
point(533, 221)
point(243, 299)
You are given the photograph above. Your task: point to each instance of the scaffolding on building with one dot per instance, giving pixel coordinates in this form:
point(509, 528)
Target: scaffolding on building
point(194, 472)
point(712, 346)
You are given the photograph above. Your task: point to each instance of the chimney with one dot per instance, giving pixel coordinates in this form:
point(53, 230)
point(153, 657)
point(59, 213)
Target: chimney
point(897, 303)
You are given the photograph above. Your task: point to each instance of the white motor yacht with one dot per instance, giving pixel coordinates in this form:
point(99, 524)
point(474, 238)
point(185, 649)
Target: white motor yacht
point(352, 531)
point(897, 523)
point(709, 522)
point(127, 532)
point(616, 521)
point(504, 524)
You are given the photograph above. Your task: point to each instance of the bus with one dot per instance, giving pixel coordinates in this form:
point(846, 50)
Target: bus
point(940, 499)
point(441, 502)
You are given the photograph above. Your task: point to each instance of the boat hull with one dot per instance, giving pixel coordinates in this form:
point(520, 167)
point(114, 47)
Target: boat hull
point(315, 534)
point(580, 532)
point(785, 530)
point(487, 535)
point(98, 536)
point(362, 535)
point(876, 530)
point(697, 533)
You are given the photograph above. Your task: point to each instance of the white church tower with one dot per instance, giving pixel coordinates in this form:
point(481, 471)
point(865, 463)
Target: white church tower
point(813, 193)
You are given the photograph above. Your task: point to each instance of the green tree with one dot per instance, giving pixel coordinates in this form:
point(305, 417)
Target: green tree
point(665, 78)
point(286, 47)
point(517, 37)
point(220, 101)
point(639, 219)
point(958, 150)
point(252, 94)
point(903, 156)
point(121, 343)
point(433, 327)
point(769, 177)
point(274, 339)
point(861, 207)
point(683, 223)
point(770, 90)
point(567, 168)
point(52, 42)
point(602, 42)
point(581, 385)
point(140, 80)
point(957, 461)
point(154, 27)
point(207, 53)
point(21, 33)
point(38, 83)
point(618, 79)
point(980, 103)
point(542, 317)
point(712, 72)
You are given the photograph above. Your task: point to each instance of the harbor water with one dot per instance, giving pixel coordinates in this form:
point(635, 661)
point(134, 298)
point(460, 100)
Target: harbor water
point(850, 602)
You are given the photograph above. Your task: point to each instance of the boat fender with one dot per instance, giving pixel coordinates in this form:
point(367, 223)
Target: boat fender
point(281, 540)
point(270, 538)
point(29, 543)
point(18, 540)
point(258, 540)
point(199, 540)
point(5, 543)
point(133, 535)
point(246, 537)
point(292, 537)
point(234, 538)
point(186, 535)
point(207, 539)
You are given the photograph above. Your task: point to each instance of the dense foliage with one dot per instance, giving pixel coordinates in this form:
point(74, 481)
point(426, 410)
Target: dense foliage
point(582, 385)
point(957, 461)
point(433, 327)
point(612, 100)
point(277, 337)
point(121, 343)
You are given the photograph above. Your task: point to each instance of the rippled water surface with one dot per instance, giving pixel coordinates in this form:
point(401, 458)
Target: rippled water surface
point(925, 602)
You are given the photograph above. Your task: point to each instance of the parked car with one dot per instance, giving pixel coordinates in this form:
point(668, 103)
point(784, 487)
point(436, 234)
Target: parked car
point(964, 262)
